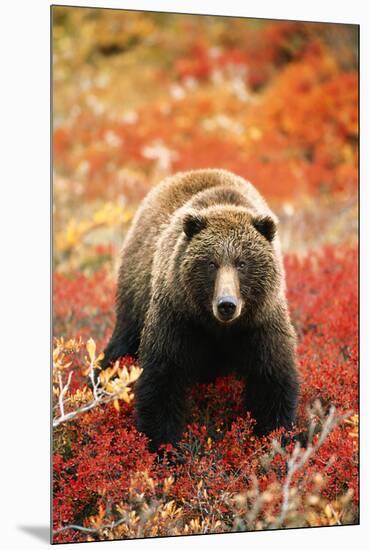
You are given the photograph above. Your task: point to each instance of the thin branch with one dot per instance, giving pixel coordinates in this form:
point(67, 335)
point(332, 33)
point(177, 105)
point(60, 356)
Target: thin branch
point(94, 530)
point(101, 397)
point(63, 391)
point(298, 460)
point(93, 381)
point(91, 405)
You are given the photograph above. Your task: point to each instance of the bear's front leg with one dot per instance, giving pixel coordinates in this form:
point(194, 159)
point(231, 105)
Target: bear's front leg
point(272, 383)
point(160, 402)
point(272, 400)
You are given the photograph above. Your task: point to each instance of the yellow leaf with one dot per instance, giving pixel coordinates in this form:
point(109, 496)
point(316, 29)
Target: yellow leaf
point(116, 405)
point(100, 357)
point(91, 348)
point(328, 511)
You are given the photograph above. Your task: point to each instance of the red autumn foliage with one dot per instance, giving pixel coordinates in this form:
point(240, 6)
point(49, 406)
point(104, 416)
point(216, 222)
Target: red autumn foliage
point(83, 305)
point(102, 449)
point(261, 49)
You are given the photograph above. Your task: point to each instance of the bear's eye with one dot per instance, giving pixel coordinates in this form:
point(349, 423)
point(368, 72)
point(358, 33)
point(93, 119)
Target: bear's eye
point(212, 266)
point(241, 264)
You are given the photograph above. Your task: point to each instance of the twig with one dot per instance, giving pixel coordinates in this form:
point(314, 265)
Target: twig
point(90, 529)
point(101, 397)
point(298, 460)
point(93, 381)
point(63, 391)
point(91, 405)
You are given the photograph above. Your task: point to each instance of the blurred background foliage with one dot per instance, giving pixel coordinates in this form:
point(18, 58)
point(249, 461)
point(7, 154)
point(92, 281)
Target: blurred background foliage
point(140, 95)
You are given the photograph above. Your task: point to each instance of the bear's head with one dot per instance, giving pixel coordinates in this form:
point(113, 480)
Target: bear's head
point(229, 269)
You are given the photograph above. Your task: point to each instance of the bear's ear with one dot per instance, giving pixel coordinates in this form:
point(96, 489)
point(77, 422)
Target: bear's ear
point(193, 224)
point(266, 227)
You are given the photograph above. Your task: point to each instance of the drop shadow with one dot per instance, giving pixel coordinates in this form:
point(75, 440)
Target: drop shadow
point(41, 532)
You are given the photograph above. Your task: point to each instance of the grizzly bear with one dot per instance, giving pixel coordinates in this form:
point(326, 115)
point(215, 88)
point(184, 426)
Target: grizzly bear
point(201, 293)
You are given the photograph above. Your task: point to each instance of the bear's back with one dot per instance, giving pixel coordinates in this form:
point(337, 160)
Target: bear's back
point(155, 227)
point(203, 188)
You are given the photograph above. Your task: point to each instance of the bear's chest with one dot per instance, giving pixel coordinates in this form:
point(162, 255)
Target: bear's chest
point(222, 355)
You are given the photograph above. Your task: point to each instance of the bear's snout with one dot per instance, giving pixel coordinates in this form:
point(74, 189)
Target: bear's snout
point(227, 302)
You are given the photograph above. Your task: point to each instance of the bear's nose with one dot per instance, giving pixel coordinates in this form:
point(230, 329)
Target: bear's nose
point(226, 307)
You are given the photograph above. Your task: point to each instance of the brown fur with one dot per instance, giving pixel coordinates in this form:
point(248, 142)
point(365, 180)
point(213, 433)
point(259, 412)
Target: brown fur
point(166, 292)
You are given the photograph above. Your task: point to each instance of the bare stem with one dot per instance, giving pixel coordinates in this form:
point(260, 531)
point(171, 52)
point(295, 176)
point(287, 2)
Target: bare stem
point(100, 397)
point(299, 458)
point(90, 529)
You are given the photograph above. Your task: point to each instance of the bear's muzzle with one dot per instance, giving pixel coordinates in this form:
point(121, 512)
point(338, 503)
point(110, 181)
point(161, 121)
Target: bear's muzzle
point(227, 302)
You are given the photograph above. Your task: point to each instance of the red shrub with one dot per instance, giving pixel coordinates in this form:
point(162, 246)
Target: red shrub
point(99, 452)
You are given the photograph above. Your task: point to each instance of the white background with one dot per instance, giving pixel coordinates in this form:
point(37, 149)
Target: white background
point(25, 271)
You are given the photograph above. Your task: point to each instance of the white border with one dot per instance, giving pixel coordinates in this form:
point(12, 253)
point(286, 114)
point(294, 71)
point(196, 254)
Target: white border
point(25, 267)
